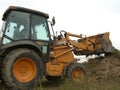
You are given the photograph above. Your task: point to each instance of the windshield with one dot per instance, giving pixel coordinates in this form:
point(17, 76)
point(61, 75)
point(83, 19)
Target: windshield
point(17, 27)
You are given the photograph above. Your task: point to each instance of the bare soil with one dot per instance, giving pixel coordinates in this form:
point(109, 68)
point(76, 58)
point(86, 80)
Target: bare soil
point(104, 68)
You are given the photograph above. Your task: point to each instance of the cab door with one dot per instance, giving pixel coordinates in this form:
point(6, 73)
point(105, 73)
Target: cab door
point(40, 34)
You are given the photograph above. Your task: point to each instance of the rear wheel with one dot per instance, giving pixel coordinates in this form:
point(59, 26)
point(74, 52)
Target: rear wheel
point(21, 69)
point(75, 72)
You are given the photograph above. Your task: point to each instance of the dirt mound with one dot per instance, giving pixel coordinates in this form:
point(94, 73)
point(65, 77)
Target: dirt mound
point(107, 68)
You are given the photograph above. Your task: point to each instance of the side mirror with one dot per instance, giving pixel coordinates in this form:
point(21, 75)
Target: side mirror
point(53, 21)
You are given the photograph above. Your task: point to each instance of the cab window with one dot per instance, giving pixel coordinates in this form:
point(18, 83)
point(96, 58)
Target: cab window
point(39, 29)
point(17, 27)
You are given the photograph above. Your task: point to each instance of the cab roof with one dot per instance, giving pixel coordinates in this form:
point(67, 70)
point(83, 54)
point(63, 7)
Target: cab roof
point(22, 9)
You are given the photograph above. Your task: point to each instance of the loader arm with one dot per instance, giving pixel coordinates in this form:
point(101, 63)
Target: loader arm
point(95, 44)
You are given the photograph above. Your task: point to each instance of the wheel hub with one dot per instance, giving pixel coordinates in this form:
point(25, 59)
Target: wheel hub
point(77, 74)
point(24, 69)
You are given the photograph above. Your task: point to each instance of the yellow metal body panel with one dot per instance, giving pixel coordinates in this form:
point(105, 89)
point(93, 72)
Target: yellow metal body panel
point(61, 57)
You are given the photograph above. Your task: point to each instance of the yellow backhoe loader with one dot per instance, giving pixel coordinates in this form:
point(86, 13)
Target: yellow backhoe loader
point(28, 51)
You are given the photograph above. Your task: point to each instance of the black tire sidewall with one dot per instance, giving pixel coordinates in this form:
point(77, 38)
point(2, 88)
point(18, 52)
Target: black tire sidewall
point(71, 68)
point(10, 63)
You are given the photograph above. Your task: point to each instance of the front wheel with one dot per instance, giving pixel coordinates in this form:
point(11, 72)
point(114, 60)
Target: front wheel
point(21, 69)
point(75, 72)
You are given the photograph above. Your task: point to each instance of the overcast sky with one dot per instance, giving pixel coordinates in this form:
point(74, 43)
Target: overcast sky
point(87, 17)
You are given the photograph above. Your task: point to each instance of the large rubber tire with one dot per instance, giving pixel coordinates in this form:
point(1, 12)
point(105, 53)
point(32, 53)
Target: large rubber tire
point(21, 69)
point(75, 72)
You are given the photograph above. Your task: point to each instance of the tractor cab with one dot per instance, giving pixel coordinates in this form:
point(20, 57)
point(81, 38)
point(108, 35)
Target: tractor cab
point(24, 24)
point(28, 27)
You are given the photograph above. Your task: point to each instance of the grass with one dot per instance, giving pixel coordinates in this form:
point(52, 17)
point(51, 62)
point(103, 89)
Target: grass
point(85, 84)
point(116, 53)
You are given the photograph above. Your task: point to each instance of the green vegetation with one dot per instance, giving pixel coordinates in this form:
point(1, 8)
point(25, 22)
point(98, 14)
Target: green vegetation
point(85, 84)
point(116, 53)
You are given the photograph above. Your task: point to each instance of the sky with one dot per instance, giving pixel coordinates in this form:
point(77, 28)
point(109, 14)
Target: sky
point(87, 17)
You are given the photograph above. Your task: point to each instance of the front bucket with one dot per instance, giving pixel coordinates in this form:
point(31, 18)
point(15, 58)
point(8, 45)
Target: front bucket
point(107, 46)
point(99, 43)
